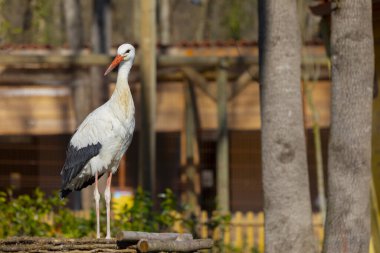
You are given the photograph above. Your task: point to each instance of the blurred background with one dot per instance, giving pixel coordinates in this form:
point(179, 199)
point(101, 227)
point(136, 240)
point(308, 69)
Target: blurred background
point(52, 58)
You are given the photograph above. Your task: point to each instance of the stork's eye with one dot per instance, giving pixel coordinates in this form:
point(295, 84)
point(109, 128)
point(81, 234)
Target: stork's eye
point(129, 50)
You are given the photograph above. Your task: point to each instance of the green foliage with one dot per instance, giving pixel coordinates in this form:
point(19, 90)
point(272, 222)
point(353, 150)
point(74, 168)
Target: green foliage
point(7, 30)
point(141, 215)
point(43, 20)
point(39, 215)
point(235, 19)
point(25, 215)
point(220, 221)
point(168, 210)
point(67, 224)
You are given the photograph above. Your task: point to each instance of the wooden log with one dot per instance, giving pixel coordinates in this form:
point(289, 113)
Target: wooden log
point(135, 236)
point(176, 246)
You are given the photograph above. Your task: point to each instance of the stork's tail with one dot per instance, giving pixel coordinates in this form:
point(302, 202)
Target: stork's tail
point(64, 192)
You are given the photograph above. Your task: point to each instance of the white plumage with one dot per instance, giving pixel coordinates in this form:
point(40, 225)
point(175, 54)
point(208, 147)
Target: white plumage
point(103, 137)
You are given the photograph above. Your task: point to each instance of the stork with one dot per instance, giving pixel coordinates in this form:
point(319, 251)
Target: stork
point(103, 137)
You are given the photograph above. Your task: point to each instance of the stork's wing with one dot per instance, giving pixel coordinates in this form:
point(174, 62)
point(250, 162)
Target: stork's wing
point(76, 159)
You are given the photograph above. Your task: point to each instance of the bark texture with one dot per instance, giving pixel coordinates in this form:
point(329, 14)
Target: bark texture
point(287, 206)
point(174, 246)
point(135, 236)
point(352, 55)
point(74, 28)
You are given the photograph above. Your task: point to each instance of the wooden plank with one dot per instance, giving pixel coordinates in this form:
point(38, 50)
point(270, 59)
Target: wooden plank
point(42, 110)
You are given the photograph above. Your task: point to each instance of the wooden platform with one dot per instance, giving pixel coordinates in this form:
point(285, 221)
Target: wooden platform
point(38, 244)
point(127, 241)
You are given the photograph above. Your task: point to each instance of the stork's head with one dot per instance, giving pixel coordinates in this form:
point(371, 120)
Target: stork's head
point(125, 52)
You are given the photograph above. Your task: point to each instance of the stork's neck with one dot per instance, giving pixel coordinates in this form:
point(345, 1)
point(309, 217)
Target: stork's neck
point(122, 79)
point(122, 76)
point(121, 96)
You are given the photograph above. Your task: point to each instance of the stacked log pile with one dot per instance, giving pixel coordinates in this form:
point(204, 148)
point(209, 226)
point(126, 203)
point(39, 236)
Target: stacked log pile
point(126, 241)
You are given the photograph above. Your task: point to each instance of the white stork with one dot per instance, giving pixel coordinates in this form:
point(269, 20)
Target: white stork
point(103, 137)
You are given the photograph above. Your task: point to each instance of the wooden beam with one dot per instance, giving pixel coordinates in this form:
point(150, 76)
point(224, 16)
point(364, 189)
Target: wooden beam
point(84, 59)
point(54, 59)
point(252, 73)
point(147, 152)
point(198, 80)
point(222, 152)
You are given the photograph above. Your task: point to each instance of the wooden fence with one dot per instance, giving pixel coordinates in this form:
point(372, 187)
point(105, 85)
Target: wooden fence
point(244, 233)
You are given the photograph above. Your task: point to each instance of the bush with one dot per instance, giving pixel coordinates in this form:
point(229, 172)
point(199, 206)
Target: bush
point(141, 216)
point(40, 215)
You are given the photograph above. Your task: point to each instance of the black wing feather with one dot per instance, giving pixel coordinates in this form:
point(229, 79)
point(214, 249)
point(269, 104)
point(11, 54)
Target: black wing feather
point(76, 159)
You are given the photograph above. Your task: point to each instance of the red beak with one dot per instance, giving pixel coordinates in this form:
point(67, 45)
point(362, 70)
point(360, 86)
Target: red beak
point(114, 64)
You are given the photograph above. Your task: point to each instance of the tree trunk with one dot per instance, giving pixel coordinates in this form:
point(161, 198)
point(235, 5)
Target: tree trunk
point(287, 207)
point(74, 28)
point(165, 22)
point(349, 174)
point(199, 34)
point(101, 43)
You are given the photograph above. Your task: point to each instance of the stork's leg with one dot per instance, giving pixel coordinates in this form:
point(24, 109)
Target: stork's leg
point(97, 198)
point(107, 196)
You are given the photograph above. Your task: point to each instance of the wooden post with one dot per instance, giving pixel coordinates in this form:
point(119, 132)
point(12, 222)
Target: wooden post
point(222, 153)
point(192, 182)
point(147, 154)
point(122, 172)
point(73, 20)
